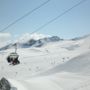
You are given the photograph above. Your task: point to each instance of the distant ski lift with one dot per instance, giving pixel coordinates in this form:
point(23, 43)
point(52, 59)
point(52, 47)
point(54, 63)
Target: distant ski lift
point(13, 57)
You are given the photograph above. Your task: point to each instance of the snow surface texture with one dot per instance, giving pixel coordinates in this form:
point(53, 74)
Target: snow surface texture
point(62, 65)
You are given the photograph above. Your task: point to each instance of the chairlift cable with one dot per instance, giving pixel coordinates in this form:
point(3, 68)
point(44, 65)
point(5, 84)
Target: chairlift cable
point(57, 17)
point(22, 17)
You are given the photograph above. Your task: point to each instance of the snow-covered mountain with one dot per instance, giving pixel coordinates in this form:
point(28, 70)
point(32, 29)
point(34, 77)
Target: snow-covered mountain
point(26, 37)
point(34, 40)
point(63, 65)
point(82, 37)
point(39, 42)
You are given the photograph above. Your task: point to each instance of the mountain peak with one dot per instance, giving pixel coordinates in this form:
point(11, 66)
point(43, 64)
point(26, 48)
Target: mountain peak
point(82, 37)
point(27, 36)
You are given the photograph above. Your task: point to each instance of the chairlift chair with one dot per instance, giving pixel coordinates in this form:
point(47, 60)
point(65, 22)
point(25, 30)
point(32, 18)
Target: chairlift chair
point(13, 58)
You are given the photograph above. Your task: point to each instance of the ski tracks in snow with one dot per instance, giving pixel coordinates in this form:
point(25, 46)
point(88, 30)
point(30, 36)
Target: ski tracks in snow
point(83, 86)
point(36, 84)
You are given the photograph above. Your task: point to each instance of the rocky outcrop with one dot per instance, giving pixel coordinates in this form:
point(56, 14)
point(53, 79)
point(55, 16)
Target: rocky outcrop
point(4, 84)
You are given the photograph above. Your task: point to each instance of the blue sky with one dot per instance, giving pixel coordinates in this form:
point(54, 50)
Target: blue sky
point(73, 24)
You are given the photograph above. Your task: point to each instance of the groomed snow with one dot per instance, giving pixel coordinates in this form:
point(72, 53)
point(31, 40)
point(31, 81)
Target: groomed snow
point(62, 65)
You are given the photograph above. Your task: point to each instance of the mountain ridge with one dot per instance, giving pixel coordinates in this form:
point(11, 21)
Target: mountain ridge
point(36, 40)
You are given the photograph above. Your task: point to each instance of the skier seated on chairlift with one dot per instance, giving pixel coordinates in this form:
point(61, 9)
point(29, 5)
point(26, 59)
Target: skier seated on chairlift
point(13, 58)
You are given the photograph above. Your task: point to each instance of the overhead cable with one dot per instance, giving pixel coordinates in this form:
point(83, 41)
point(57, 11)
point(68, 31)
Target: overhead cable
point(57, 17)
point(25, 15)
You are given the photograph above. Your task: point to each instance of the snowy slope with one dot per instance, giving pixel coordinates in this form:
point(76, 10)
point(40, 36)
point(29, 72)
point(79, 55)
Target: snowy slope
point(63, 65)
point(79, 65)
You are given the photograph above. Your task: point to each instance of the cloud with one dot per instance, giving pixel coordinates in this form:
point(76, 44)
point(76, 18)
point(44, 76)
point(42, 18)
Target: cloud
point(5, 37)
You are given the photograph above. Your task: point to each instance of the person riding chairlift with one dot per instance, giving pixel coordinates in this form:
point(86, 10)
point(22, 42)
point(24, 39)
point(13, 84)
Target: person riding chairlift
point(13, 58)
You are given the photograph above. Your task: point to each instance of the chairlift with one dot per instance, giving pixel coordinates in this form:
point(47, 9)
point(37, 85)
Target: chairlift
point(13, 57)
